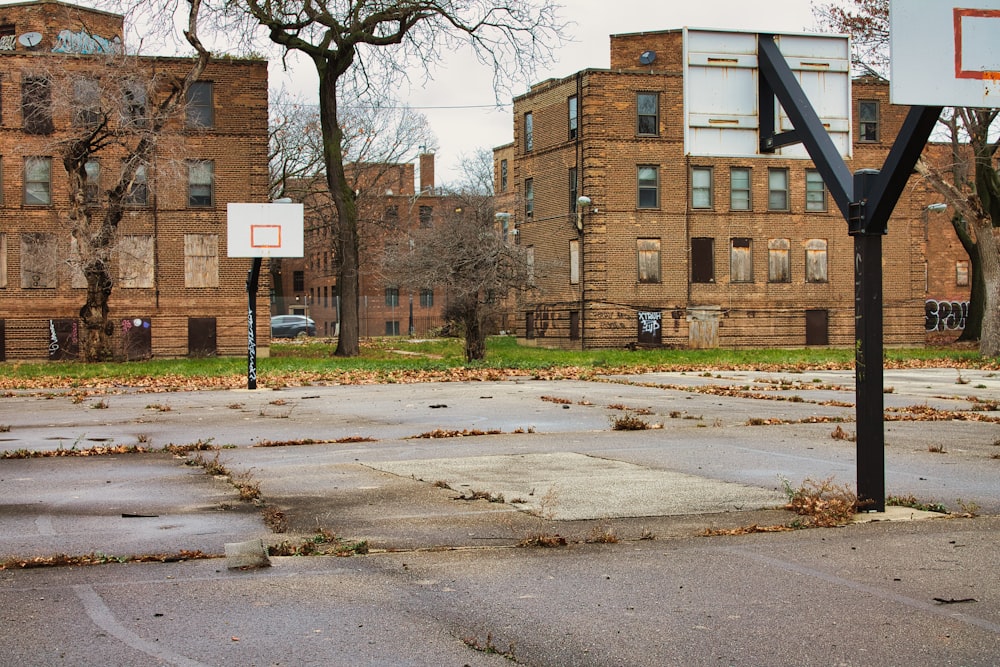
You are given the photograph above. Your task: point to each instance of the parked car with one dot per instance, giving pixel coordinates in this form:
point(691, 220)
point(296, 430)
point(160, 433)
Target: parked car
point(290, 326)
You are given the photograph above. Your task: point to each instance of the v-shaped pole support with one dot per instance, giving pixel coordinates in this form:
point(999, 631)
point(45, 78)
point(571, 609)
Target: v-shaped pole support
point(866, 200)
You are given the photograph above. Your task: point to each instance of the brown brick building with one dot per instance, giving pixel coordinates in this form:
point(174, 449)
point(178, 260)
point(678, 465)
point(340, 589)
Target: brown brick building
point(390, 206)
point(176, 292)
point(686, 235)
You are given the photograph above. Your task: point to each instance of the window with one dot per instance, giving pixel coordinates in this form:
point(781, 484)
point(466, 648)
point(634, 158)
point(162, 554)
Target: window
point(649, 186)
point(529, 324)
point(426, 298)
point(779, 261)
point(92, 186)
point(36, 104)
point(701, 187)
point(392, 216)
point(392, 296)
point(201, 175)
point(134, 111)
point(1, 182)
point(529, 132)
point(777, 189)
point(740, 260)
point(574, 262)
point(573, 189)
point(702, 260)
point(648, 113)
point(39, 261)
point(816, 261)
point(37, 181)
point(137, 193)
point(86, 102)
point(392, 327)
point(200, 112)
point(574, 325)
point(529, 197)
point(529, 261)
point(962, 273)
point(201, 260)
point(3, 262)
point(868, 120)
point(739, 188)
point(503, 175)
point(815, 191)
point(648, 253)
point(574, 119)
point(135, 261)
point(426, 215)
point(298, 281)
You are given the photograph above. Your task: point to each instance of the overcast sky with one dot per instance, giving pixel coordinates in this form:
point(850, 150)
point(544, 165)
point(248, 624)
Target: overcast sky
point(461, 82)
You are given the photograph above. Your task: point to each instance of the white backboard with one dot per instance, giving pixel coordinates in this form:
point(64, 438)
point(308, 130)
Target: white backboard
point(720, 90)
point(265, 230)
point(945, 52)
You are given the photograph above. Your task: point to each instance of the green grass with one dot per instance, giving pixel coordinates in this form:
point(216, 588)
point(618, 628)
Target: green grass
point(386, 356)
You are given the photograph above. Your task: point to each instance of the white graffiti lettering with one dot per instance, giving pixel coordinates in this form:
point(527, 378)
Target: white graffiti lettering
point(68, 41)
point(8, 43)
point(53, 338)
point(649, 323)
point(945, 315)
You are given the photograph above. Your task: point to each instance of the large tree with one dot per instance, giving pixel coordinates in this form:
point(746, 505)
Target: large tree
point(104, 124)
point(374, 45)
point(968, 180)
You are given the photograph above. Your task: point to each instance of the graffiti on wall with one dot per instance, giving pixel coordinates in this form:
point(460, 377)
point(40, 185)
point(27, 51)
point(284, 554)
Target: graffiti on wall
point(945, 315)
point(68, 41)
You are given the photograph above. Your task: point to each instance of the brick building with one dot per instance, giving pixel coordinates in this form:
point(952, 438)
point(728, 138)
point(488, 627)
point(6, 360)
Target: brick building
point(390, 206)
point(175, 291)
point(654, 219)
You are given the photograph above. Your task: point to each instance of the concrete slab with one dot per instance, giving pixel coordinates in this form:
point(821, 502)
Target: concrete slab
point(568, 486)
point(896, 513)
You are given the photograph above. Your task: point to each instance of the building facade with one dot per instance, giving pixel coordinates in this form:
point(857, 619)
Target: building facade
point(654, 219)
point(174, 292)
point(393, 202)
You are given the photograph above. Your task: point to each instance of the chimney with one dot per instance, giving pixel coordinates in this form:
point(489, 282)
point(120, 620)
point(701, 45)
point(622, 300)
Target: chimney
point(427, 172)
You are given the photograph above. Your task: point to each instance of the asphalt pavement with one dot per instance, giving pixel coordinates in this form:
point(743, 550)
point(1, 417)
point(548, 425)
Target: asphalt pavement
point(442, 482)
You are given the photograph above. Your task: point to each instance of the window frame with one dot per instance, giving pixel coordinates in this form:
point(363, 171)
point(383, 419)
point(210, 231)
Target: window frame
point(708, 191)
point(36, 104)
point(426, 298)
point(811, 176)
point(573, 111)
point(872, 123)
point(645, 187)
point(529, 197)
point(200, 112)
point(392, 297)
point(92, 187)
point(771, 190)
point(86, 101)
point(529, 131)
point(574, 262)
point(138, 191)
point(703, 246)
point(425, 216)
point(503, 175)
point(29, 161)
point(574, 188)
point(748, 189)
point(640, 116)
point(195, 196)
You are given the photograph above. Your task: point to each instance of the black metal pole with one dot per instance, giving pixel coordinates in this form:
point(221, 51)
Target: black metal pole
point(868, 354)
point(253, 280)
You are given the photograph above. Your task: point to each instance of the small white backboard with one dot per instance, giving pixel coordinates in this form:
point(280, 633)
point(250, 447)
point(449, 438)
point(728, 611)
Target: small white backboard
point(265, 230)
point(945, 52)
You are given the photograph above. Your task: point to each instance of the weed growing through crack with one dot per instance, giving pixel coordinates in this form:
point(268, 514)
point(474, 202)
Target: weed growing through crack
point(4, 428)
point(543, 540)
point(602, 535)
point(969, 509)
point(480, 495)
point(323, 543)
point(275, 519)
point(937, 449)
point(629, 422)
point(840, 434)
point(823, 504)
point(159, 407)
point(489, 647)
point(100, 405)
point(912, 502)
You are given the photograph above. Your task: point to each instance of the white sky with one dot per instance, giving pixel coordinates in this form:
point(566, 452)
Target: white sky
point(462, 82)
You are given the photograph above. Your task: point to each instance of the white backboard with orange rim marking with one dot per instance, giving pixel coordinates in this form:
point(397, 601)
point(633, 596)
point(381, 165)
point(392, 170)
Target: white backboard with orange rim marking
point(945, 52)
point(265, 230)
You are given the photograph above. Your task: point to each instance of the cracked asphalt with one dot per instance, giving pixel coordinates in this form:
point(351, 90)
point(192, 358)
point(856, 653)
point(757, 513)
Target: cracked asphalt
point(444, 582)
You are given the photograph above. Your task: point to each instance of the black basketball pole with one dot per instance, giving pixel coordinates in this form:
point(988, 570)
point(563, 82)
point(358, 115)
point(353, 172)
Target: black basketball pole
point(253, 280)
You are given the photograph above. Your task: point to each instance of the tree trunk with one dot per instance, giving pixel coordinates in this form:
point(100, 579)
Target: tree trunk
point(977, 293)
point(475, 339)
point(989, 257)
point(346, 250)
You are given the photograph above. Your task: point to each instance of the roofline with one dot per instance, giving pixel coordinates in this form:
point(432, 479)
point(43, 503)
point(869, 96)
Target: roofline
point(64, 4)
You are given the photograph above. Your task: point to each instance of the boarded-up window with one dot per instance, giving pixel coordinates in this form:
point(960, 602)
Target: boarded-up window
point(650, 329)
point(574, 325)
point(817, 327)
point(64, 339)
point(201, 336)
point(702, 260)
point(529, 325)
point(648, 252)
point(574, 262)
point(816, 261)
point(962, 273)
point(39, 261)
point(137, 338)
point(3, 260)
point(740, 261)
point(201, 260)
point(86, 102)
point(135, 261)
point(779, 261)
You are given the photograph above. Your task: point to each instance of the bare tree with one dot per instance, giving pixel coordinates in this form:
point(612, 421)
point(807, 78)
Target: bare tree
point(466, 256)
point(972, 137)
point(373, 44)
point(122, 110)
